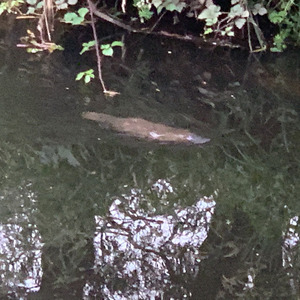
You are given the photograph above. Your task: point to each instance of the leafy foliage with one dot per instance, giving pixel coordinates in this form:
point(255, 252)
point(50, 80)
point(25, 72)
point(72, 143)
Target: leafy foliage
point(143, 7)
point(10, 6)
point(222, 23)
point(169, 5)
point(86, 75)
point(286, 15)
point(107, 49)
point(87, 46)
point(210, 15)
point(76, 18)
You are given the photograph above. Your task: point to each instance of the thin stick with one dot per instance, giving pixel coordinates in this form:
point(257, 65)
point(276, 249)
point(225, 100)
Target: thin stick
point(105, 17)
point(97, 46)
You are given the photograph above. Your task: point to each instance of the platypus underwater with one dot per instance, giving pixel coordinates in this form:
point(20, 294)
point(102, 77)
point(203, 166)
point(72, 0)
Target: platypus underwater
point(141, 128)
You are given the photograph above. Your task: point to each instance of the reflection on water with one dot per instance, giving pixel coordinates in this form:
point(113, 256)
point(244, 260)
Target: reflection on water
point(20, 247)
point(289, 252)
point(150, 251)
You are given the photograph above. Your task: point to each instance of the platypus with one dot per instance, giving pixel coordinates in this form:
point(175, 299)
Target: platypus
point(141, 128)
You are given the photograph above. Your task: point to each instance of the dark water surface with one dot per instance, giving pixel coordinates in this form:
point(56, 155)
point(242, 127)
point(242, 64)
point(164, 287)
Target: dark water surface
point(89, 213)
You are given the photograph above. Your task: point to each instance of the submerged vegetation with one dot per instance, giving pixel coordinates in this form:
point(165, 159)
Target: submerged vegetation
point(99, 207)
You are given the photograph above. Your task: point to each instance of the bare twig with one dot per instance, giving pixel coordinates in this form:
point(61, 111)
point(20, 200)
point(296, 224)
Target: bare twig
point(258, 32)
point(97, 46)
point(92, 11)
point(197, 40)
point(123, 6)
point(46, 20)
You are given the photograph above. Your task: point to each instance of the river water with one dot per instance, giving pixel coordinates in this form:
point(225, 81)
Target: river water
point(92, 213)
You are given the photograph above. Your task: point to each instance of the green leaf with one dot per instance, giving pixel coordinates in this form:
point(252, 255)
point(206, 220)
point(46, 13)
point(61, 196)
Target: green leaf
point(208, 31)
point(74, 18)
point(117, 43)
point(180, 6)
point(107, 49)
point(145, 13)
point(40, 5)
point(275, 49)
point(210, 14)
point(68, 17)
point(157, 3)
point(80, 75)
point(90, 72)
point(175, 7)
point(59, 47)
point(239, 23)
point(72, 2)
point(31, 2)
point(228, 31)
point(87, 75)
point(62, 5)
point(259, 9)
point(236, 11)
point(159, 9)
point(277, 17)
point(31, 10)
point(105, 46)
point(87, 79)
point(82, 11)
point(108, 52)
point(87, 46)
point(33, 50)
point(279, 44)
point(77, 21)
